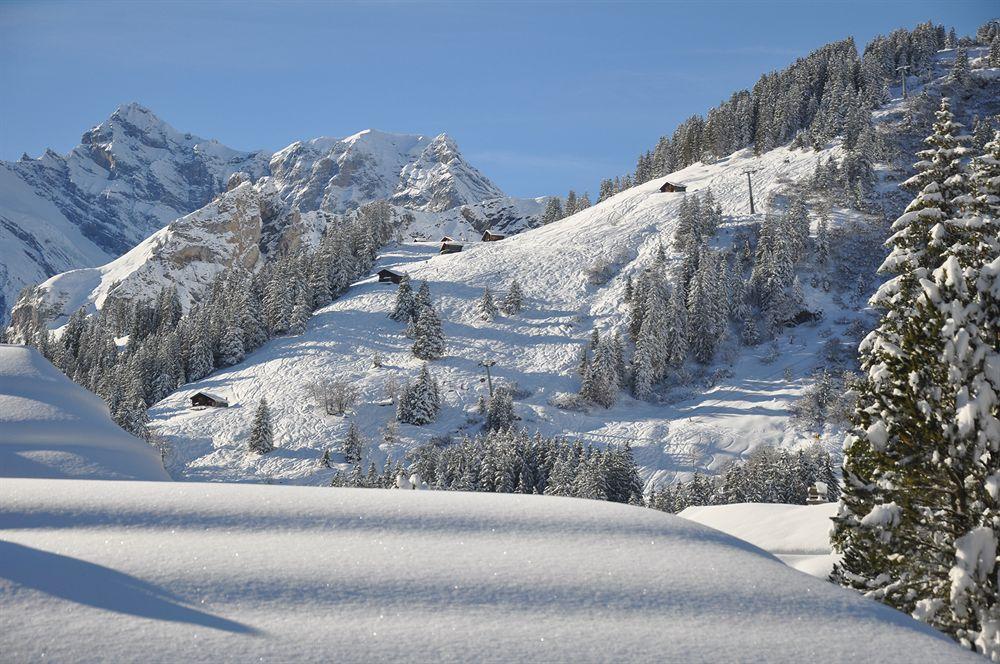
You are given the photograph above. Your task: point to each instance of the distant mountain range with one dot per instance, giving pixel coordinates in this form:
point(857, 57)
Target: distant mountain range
point(133, 174)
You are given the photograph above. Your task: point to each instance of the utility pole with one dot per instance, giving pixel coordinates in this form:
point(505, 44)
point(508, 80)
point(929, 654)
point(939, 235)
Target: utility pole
point(489, 379)
point(902, 77)
point(750, 185)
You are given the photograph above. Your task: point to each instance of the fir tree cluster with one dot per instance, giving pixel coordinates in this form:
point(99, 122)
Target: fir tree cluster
point(556, 209)
point(768, 475)
point(920, 511)
point(513, 461)
point(238, 313)
point(830, 92)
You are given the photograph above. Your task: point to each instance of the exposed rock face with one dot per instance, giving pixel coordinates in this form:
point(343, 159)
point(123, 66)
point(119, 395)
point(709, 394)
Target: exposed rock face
point(188, 254)
point(130, 176)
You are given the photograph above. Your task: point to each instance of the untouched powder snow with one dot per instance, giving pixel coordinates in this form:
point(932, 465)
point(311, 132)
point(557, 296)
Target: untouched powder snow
point(51, 427)
point(181, 572)
point(537, 349)
point(798, 535)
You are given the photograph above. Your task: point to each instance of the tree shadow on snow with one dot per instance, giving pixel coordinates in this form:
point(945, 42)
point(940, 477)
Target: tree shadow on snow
point(100, 587)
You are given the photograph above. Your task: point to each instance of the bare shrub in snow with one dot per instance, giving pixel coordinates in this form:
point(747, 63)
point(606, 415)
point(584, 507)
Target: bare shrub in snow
point(569, 401)
point(336, 397)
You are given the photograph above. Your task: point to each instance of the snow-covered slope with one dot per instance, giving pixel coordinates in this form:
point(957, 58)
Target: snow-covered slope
point(188, 253)
point(134, 174)
point(130, 175)
point(798, 535)
point(537, 349)
point(179, 572)
point(51, 427)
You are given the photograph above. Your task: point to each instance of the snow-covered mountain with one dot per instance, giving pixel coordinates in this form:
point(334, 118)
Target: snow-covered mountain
point(50, 427)
point(575, 274)
point(130, 176)
point(538, 350)
point(134, 174)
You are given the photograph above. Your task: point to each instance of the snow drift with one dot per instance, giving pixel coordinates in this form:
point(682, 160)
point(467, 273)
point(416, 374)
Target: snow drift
point(798, 535)
point(51, 427)
point(210, 572)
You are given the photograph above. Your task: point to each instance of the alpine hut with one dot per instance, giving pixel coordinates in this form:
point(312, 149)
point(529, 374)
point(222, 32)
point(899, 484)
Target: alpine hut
point(669, 187)
point(388, 275)
point(450, 247)
point(489, 236)
point(203, 399)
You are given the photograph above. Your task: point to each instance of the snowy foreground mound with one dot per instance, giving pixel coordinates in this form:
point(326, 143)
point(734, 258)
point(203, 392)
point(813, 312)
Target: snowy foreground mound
point(798, 535)
point(198, 572)
point(51, 427)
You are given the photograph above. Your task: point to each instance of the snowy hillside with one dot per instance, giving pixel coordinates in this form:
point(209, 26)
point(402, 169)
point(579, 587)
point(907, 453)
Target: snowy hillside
point(798, 535)
point(134, 174)
point(130, 175)
point(52, 428)
point(229, 572)
point(537, 349)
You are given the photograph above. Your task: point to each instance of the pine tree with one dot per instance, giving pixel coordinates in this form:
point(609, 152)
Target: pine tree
point(420, 400)
point(353, 445)
point(404, 308)
point(553, 210)
point(428, 343)
point(960, 71)
point(301, 313)
point(914, 513)
point(487, 308)
point(571, 203)
point(500, 410)
point(513, 301)
point(261, 439)
point(231, 347)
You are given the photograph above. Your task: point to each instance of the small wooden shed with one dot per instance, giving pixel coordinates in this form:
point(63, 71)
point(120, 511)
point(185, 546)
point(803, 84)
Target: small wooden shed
point(385, 276)
point(672, 187)
point(208, 399)
point(450, 247)
point(489, 236)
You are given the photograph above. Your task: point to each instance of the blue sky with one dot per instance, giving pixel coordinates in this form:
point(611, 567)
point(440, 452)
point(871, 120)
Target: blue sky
point(542, 97)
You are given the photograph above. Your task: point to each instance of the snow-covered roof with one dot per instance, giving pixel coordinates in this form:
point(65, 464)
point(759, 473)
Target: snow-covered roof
point(214, 396)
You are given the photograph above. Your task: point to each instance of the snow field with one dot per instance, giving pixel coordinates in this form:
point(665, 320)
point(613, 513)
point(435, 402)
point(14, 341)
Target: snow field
point(208, 572)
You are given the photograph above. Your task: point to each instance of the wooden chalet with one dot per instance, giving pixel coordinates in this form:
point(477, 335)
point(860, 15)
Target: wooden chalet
point(385, 276)
point(203, 399)
point(672, 187)
point(489, 236)
point(450, 247)
point(447, 238)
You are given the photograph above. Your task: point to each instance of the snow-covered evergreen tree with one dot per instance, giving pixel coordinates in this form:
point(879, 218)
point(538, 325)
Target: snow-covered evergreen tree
point(404, 309)
point(428, 342)
point(353, 445)
point(487, 308)
point(500, 410)
point(231, 346)
point(261, 439)
point(420, 400)
point(513, 301)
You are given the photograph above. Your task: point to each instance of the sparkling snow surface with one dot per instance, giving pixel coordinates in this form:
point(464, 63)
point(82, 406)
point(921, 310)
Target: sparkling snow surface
point(121, 571)
point(538, 348)
point(51, 427)
point(798, 535)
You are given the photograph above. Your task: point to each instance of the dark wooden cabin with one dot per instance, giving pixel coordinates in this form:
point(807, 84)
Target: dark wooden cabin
point(672, 187)
point(450, 247)
point(388, 275)
point(208, 399)
point(489, 236)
